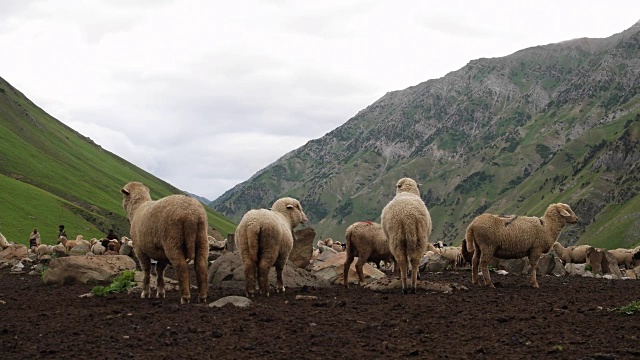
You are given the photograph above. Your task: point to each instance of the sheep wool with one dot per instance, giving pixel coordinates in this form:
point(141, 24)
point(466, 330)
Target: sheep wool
point(514, 238)
point(407, 224)
point(169, 230)
point(366, 241)
point(265, 239)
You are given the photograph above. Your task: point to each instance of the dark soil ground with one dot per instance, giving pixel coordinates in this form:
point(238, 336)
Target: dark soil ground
point(566, 318)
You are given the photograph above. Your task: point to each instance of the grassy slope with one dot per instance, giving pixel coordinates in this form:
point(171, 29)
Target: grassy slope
point(78, 180)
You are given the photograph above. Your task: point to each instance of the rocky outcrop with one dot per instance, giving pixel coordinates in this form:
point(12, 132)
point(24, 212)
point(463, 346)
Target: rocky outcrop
point(74, 270)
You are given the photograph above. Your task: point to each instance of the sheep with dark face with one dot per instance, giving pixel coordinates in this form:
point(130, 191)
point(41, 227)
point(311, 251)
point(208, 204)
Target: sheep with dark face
point(169, 230)
point(407, 224)
point(490, 236)
point(265, 239)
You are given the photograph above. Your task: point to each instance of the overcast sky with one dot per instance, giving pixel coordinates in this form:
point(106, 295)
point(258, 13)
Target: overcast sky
point(205, 93)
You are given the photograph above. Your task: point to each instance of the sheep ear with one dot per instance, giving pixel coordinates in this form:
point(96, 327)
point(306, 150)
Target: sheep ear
point(563, 212)
point(289, 206)
point(124, 191)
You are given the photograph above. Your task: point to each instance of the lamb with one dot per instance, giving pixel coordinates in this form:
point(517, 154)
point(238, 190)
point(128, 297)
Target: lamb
point(366, 241)
point(3, 242)
point(265, 238)
point(68, 244)
point(407, 224)
point(169, 230)
point(571, 254)
point(523, 236)
point(453, 253)
point(43, 249)
point(97, 248)
point(80, 240)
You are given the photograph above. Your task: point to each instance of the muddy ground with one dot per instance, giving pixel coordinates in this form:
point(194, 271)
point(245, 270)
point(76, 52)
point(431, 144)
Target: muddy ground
point(567, 318)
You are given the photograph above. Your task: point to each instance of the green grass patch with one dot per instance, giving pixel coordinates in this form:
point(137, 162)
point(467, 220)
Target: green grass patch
point(120, 284)
point(631, 308)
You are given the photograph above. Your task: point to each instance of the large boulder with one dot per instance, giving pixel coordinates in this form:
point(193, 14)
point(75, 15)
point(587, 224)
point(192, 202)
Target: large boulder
point(603, 262)
point(227, 271)
point(433, 263)
point(330, 266)
point(550, 264)
point(73, 270)
point(80, 250)
point(515, 266)
point(302, 250)
point(14, 252)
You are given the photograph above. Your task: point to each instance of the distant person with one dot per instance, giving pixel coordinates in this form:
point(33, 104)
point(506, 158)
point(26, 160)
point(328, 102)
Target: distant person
point(34, 238)
point(111, 235)
point(61, 231)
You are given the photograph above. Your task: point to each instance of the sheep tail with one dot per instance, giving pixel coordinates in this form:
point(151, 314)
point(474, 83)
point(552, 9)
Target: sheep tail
point(470, 240)
point(347, 240)
point(191, 238)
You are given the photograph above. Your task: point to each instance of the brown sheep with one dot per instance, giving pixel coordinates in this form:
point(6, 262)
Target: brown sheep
point(169, 230)
point(366, 241)
point(493, 236)
point(265, 239)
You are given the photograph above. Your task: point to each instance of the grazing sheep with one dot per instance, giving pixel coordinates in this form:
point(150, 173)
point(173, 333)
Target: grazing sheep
point(571, 254)
point(68, 244)
point(366, 241)
point(453, 253)
point(624, 257)
point(407, 224)
point(169, 230)
point(3, 242)
point(43, 249)
point(97, 248)
point(265, 238)
point(490, 236)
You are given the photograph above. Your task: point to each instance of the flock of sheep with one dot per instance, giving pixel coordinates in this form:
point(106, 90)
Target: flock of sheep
point(172, 230)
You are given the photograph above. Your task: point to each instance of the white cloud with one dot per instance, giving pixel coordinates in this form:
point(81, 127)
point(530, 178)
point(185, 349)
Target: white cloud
point(205, 93)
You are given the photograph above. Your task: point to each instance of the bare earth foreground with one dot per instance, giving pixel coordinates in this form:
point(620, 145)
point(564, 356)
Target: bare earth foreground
point(567, 318)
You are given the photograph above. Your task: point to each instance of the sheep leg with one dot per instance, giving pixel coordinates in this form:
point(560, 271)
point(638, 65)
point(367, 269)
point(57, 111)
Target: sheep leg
point(263, 276)
point(475, 261)
point(201, 277)
point(160, 267)
point(280, 263)
point(402, 264)
point(485, 259)
point(145, 264)
point(414, 274)
point(533, 260)
point(182, 272)
point(347, 266)
point(250, 275)
point(359, 265)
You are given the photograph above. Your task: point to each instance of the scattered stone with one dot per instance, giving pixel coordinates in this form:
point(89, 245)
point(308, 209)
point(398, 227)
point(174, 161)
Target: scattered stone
point(87, 295)
point(306, 297)
point(394, 284)
point(237, 301)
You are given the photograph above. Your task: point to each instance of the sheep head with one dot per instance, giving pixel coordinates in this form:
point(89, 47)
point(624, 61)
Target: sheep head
point(135, 193)
point(290, 208)
point(565, 212)
point(407, 185)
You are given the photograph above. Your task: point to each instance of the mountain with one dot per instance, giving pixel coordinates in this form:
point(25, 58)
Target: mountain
point(50, 174)
point(553, 123)
point(203, 200)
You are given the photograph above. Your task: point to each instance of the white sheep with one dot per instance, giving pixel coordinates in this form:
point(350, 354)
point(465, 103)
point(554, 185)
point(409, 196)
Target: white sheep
point(265, 239)
point(169, 230)
point(3, 242)
point(407, 224)
point(571, 254)
point(366, 241)
point(494, 236)
point(96, 247)
point(625, 257)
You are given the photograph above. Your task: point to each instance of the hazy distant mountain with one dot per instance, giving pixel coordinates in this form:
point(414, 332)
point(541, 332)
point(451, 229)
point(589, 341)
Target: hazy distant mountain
point(199, 198)
point(553, 123)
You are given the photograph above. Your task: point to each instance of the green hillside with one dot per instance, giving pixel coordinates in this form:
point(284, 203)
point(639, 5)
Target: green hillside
point(510, 135)
point(51, 174)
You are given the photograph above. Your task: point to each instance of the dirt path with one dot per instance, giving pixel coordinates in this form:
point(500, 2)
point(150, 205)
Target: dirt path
point(567, 318)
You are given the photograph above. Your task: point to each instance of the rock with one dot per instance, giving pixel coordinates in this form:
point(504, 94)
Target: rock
point(515, 266)
point(169, 283)
point(603, 262)
point(394, 284)
point(79, 250)
point(433, 263)
point(228, 272)
point(127, 250)
point(611, 266)
point(15, 251)
point(85, 269)
point(45, 259)
point(237, 301)
point(337, 247)
point(17, 268)
point(302, 250)
point(306, 297)
point(331, 267)
point(323, 249)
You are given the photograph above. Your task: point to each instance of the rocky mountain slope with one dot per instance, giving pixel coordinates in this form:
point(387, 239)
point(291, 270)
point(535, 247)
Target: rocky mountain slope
point(554, 123)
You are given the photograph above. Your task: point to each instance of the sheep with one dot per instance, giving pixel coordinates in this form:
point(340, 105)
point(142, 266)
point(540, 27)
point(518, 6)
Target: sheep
point(453, 253)
point(97, 248)
point(523, 236)
point(43, 249)
point(571, 254)
point(3, 242)
point(80, 240)
point(68, 244)
point(265, 238)
point(169, 230)
point(624, 257)
point(366, 241)
point(467, 254)
point(407, 224)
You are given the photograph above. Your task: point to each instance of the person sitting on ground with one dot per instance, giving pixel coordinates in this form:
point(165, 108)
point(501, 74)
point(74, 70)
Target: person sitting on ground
point(34, 238)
